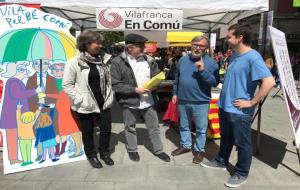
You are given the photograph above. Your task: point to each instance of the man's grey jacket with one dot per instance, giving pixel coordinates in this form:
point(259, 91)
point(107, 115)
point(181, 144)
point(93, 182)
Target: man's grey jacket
point(124, 81)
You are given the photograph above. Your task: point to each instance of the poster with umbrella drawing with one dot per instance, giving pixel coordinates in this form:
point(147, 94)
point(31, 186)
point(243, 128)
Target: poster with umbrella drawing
point(37, 124)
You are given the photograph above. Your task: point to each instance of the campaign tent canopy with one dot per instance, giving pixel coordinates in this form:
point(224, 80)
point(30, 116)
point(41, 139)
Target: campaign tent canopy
point(204, 15)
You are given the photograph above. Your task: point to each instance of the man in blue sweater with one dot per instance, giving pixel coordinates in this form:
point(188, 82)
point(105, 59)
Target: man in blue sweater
point(196, 74)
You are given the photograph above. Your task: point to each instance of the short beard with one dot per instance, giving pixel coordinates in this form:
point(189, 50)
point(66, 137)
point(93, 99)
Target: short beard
point(196, 56)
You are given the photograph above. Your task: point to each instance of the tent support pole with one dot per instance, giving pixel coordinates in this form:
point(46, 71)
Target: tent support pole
point(298, 154)
point(209, 38)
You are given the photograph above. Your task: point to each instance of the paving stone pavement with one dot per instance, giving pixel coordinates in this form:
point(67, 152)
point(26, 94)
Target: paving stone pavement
point(276, 167)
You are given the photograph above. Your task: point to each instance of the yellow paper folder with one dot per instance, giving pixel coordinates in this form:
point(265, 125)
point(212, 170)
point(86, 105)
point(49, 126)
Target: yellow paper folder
point(155, 81)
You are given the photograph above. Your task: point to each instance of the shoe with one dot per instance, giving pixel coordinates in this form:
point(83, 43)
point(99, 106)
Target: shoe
point(28, 163)
point(179, 151)
point(198, 157)
point(134, 156)
point(95, 162)
point(213, 164)
point(15, 162)
point(106, 158)
point(55, 159)
point(38, 158)
point(41, 161)
point(236, 180)
point(163, 156)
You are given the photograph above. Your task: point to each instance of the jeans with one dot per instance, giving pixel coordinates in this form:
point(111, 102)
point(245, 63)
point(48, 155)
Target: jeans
point(199, 114)
point(236, 130)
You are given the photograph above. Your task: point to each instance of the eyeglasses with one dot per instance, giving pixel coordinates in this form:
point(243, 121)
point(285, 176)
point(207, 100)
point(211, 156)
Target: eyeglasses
point(21, 69)
point(43, 63)
point(199, 46)
point(61, 69)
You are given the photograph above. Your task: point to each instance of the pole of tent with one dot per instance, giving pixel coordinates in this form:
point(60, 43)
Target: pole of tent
point(263, 50)
point(298, 154)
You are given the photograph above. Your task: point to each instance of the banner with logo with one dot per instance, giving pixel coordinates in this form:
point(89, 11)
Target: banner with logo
point(286, 79)
point(138, 19)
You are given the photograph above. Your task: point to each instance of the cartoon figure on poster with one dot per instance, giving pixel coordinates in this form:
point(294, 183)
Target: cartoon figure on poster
point(37, 124)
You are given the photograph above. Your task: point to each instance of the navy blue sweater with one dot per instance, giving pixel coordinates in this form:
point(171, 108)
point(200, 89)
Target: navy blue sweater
point(193, 85)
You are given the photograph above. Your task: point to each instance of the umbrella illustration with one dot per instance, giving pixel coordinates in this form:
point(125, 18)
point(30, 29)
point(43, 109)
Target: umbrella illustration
point(36, 44)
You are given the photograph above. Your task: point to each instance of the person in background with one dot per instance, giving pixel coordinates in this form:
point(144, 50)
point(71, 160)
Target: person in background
point(172, 63)
point(269, 61)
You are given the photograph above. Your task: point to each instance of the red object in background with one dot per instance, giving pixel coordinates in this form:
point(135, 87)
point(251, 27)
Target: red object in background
point(37, 6)
point(151, 48)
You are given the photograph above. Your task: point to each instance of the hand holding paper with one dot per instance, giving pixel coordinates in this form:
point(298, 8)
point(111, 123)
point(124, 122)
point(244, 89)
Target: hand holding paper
point(141, 90)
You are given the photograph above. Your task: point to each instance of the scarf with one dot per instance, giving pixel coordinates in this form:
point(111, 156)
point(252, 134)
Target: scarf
point(101, 67)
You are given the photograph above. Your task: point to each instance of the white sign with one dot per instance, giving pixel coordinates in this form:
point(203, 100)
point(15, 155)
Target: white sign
point(270, 16)
point(213, 39)
point(287, 80)
point(138, 19)
point(18, 17)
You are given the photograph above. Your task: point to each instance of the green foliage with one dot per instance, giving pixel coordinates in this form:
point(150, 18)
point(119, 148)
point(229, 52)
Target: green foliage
point(112, 37)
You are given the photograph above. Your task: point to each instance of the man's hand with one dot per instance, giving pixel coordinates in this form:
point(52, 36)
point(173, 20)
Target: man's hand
point(174, 99)
point(200, 64)
point(141, 90)
point(239, 104)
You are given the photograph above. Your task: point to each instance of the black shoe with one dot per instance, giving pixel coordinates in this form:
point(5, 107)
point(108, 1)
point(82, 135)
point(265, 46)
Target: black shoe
point(55, 159)
point(95, 162)
point(107, 159)
point(134, 156)
point(163, 156)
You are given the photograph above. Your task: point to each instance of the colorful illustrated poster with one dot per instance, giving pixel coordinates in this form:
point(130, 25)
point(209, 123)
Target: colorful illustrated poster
point(36, 122)
point(286, 79)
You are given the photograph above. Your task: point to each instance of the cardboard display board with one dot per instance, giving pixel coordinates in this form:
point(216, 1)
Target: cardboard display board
point(38, 128)
point(287, 80)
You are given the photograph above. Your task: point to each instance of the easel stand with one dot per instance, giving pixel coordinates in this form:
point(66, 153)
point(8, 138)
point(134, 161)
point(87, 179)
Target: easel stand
point(258, 114)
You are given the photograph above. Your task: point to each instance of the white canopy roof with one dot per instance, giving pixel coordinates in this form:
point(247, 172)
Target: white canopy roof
point(201, 15)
